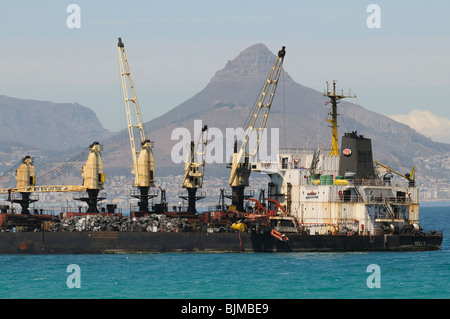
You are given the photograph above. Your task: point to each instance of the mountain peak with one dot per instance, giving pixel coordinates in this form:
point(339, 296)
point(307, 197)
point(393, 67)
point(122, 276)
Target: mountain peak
point(256, 49)
point(252, 63)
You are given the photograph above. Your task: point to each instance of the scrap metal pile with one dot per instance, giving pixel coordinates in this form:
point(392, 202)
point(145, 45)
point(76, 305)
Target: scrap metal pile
point(152, 223)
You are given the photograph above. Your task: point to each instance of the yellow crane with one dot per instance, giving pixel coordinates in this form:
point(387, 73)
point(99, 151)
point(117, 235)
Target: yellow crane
point(240, 166)
point(411, 177)
point(93, 179)
point(143, 166)
point(194, 170)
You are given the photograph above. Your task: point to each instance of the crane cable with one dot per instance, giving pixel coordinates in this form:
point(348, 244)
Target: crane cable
point(255, 103)
point(7, 174)
point(63, 168)
point(250, 115)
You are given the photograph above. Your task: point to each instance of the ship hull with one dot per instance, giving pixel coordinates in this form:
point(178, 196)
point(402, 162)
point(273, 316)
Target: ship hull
point(147, 242)
point(333, 243)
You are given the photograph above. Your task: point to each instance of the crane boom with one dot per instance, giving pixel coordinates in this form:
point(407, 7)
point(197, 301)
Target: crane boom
point(194, 170)
point(240, 169)
point(240, 166)
point(143, 161)
point(143, 166)
point(409, 176)
point(195, 161)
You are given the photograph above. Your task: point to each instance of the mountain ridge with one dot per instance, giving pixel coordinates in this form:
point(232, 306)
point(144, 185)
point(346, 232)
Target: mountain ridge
point(297, 111)
point(49, 126)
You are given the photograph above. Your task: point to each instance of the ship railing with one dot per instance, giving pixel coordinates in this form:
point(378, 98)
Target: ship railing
point(374, 182)
point(136, 193)
point(40, 211)
point(85, 195)
point(326, 225)
point(134, 207)
point(370, 199)
point(72, 209)
point(183, 194)
point(298, 151)
point(359, 182)
point(33, 211)
point(157, 208)
point(439, 233)
point(179, 208)
point(109, 208)
point(19, 196)
point(317, 220)
point(389, 215)
point(367, 182)
point(248, 194)
point(216, 208)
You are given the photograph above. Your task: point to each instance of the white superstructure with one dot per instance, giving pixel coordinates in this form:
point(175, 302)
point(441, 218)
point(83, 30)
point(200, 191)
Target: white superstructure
point(324, 202)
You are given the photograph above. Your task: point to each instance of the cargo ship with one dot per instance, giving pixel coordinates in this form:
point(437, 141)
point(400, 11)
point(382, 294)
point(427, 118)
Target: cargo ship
point(307, 209)
point(339, 200)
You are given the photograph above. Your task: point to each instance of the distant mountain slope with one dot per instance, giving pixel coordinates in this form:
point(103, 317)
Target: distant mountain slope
point(48, 126)
point(299, 113)
point(423, 121)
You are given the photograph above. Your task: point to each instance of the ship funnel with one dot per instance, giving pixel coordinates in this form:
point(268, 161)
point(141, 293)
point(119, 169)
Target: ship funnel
point(356, 156)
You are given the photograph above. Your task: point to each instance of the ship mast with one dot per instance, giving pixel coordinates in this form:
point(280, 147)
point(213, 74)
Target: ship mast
point(335, 96)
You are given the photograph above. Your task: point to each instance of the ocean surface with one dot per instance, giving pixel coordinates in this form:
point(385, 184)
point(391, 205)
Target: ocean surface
point(406, 275)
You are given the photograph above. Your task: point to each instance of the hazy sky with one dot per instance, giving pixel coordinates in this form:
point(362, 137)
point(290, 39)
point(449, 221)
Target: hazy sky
point(175, 47)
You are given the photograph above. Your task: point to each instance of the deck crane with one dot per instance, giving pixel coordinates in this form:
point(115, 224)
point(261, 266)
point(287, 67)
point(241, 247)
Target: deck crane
point(240, 166)
point(93, 179)
point(194, 170)
point(411, 177)
point(143, 166)
point(25, 177)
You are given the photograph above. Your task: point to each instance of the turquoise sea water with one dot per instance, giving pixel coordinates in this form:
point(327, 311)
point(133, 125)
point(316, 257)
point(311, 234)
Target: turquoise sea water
point(236, 276)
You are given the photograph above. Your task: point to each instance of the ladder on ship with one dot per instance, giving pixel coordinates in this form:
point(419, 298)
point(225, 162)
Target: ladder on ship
point(388, 208)
point(360, 194)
